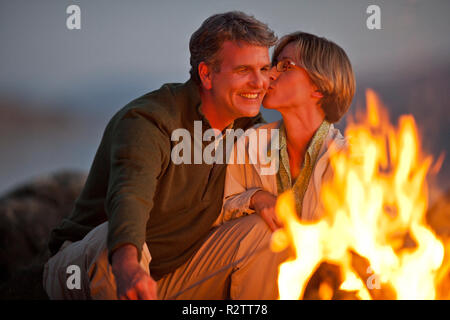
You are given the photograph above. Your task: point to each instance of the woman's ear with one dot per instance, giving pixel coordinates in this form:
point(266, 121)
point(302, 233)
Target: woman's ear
point(317, 94)
point(204, 73)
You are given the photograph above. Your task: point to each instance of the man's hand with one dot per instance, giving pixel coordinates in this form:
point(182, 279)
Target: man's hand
point(132, 281)
point(263, 203)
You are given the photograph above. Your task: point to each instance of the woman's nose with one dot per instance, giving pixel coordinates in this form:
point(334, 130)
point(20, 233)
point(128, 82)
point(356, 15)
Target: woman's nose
point(273, 74)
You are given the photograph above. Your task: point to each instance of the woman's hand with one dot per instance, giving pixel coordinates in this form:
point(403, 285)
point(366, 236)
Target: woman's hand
point(263, 203)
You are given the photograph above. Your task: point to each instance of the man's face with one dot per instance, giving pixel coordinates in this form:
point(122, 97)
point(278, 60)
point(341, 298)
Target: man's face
point(239, 87)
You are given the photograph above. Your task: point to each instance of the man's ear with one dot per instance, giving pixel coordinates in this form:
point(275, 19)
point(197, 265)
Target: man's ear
point(204, 71)
point(317, 94)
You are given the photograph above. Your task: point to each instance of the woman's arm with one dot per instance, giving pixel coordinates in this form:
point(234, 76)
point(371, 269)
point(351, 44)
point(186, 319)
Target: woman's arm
point(244, 195)
point(237, 192)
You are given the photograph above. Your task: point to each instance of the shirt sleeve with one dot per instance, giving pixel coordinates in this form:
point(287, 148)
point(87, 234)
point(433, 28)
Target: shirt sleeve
point(137, 158)
point(237, 192)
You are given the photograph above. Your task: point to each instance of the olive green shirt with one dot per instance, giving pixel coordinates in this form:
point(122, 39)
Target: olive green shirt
point(134, 185)
point(284, 179)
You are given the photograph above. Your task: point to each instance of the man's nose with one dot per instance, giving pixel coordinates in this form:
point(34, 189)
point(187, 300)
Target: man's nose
point(259, 80)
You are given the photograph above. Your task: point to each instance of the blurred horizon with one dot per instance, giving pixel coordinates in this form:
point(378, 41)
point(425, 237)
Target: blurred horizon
point(60, 87)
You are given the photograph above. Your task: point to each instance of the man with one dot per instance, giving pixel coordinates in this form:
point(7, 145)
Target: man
point(142, 226)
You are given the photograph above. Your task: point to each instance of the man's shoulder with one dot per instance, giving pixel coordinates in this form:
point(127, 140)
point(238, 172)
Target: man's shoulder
point(168, 99)
point(163, 107)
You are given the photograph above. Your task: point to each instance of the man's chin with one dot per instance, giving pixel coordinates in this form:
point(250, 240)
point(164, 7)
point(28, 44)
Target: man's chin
point(247, 110)
point(250, 114)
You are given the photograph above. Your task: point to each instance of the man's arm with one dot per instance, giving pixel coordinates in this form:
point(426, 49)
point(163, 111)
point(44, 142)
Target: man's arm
point(138, 157)
point(132, 281)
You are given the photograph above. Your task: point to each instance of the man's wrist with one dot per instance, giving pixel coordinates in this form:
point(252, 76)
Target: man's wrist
point(124, 254)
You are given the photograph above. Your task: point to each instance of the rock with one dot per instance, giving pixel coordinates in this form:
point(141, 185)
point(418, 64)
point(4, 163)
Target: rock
point(27, 215)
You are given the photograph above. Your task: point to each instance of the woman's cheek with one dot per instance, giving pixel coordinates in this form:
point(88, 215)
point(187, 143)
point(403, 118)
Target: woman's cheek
point(268, 100)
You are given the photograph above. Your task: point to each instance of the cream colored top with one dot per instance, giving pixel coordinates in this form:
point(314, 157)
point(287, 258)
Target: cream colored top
point(243, 180)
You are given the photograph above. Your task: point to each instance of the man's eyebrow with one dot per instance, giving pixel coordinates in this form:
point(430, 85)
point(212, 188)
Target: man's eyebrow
point(249, 66)
point(241, 66)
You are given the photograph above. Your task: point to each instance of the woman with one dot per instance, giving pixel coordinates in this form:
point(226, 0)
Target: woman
point(312, 86)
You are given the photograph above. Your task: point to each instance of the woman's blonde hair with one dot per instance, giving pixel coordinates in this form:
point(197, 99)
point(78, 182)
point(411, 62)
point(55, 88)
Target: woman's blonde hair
point(328, 67)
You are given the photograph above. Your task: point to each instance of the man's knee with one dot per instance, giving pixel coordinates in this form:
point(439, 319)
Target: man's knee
point(256, 226)
point(64, 276)
point(254, 235)
point(88, 259)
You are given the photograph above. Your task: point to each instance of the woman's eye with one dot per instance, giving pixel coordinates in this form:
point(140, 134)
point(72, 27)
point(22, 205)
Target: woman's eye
point(289, 65)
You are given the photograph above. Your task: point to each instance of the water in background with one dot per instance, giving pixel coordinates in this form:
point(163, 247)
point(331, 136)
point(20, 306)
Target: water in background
point(36, 141)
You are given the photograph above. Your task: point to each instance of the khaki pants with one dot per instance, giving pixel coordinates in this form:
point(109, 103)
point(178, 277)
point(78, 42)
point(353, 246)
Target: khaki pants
point(243, 242)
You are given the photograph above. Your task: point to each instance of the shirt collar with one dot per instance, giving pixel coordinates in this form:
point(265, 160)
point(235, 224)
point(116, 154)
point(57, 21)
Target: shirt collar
point(284, 179)
point(316, 141)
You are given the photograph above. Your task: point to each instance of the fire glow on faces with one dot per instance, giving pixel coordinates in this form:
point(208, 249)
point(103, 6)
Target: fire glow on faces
point(240, 85)
point(292, 88)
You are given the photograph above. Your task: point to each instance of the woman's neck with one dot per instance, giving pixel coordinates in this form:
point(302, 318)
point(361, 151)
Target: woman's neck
point(300, 128)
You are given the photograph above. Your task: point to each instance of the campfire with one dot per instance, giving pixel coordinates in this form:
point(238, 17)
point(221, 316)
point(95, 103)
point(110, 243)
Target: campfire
point(372, 240)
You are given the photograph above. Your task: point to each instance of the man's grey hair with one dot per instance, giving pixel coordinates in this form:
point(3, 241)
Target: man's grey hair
point(236, 26)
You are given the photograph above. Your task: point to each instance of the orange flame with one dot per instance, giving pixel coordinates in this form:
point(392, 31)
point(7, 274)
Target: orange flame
point(374, 206)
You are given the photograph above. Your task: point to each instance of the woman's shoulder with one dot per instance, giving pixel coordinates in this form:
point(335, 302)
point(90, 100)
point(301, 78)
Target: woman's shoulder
point(335, 136)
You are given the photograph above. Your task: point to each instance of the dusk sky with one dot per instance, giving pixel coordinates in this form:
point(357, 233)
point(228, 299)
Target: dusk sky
point(145, 43)
point(127, 48)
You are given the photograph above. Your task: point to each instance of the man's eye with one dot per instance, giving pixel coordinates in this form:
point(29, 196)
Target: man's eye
point(242, 70)
point(265, 69)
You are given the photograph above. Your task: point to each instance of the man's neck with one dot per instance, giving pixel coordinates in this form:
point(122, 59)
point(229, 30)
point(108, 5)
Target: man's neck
point(217, 120)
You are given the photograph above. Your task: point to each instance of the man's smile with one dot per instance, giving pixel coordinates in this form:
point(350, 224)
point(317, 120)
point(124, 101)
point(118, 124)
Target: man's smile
point(250, 95)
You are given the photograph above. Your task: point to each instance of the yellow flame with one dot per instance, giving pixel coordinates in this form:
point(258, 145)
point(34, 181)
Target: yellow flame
point(374, 206)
